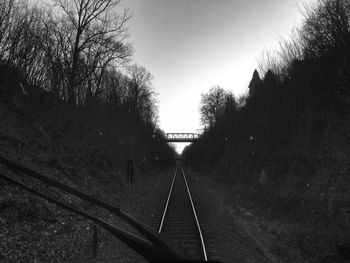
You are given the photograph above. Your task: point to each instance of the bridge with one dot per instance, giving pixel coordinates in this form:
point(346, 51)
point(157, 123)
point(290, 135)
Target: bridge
point(181, 137)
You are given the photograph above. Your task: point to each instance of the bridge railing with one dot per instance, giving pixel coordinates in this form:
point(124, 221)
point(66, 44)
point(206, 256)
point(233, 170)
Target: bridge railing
point(181, 137)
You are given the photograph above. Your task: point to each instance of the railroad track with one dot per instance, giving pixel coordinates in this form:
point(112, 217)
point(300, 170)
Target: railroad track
point(180, 221)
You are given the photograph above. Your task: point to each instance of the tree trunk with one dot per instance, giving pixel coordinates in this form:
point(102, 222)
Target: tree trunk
point(71, 81)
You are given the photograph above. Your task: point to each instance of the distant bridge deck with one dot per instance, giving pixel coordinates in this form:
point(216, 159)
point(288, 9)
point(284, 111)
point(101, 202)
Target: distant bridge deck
point(181, 137)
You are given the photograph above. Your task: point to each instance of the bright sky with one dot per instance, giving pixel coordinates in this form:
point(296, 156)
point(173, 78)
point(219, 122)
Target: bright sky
point(191, 45)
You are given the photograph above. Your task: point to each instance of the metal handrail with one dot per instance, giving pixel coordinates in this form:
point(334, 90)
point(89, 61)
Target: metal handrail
point(155, 249)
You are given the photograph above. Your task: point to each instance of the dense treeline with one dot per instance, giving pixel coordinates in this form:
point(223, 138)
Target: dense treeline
point(73, 107)
point(289, 138)
point(296, 113)
point(72, 62)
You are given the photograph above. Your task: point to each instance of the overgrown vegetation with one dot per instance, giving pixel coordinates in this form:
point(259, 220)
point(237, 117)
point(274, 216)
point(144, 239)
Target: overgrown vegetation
point(75, 107)
point(72, 62)
point(285, 146)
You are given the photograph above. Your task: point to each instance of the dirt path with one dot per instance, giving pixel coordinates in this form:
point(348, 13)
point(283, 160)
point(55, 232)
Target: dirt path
point(236, 230)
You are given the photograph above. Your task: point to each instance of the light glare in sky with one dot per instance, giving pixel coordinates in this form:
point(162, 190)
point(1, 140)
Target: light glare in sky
point(191, 45)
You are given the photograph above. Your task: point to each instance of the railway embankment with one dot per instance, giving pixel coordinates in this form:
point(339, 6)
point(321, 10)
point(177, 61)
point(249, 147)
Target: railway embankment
point(45, 138)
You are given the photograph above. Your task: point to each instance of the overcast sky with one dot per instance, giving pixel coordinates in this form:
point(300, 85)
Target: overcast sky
point(191, 45)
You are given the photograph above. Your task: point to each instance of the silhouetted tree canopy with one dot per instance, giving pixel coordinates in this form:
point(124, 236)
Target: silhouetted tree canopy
point(74, 59)
point(213, 105)
point(296, 114)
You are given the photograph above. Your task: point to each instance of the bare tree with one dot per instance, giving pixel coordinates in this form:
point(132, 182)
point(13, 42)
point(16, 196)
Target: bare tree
point(141, 95)
point(212, 105)
point(6, 16)
point(96, 40)
point(56, 40)
point(327, 27)
point(20, 39)
point(269, 60)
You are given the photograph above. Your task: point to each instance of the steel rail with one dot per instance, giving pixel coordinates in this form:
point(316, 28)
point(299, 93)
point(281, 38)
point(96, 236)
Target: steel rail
point(192, 207)
point(164, 249)
point(167, 202)
point(196, 217)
